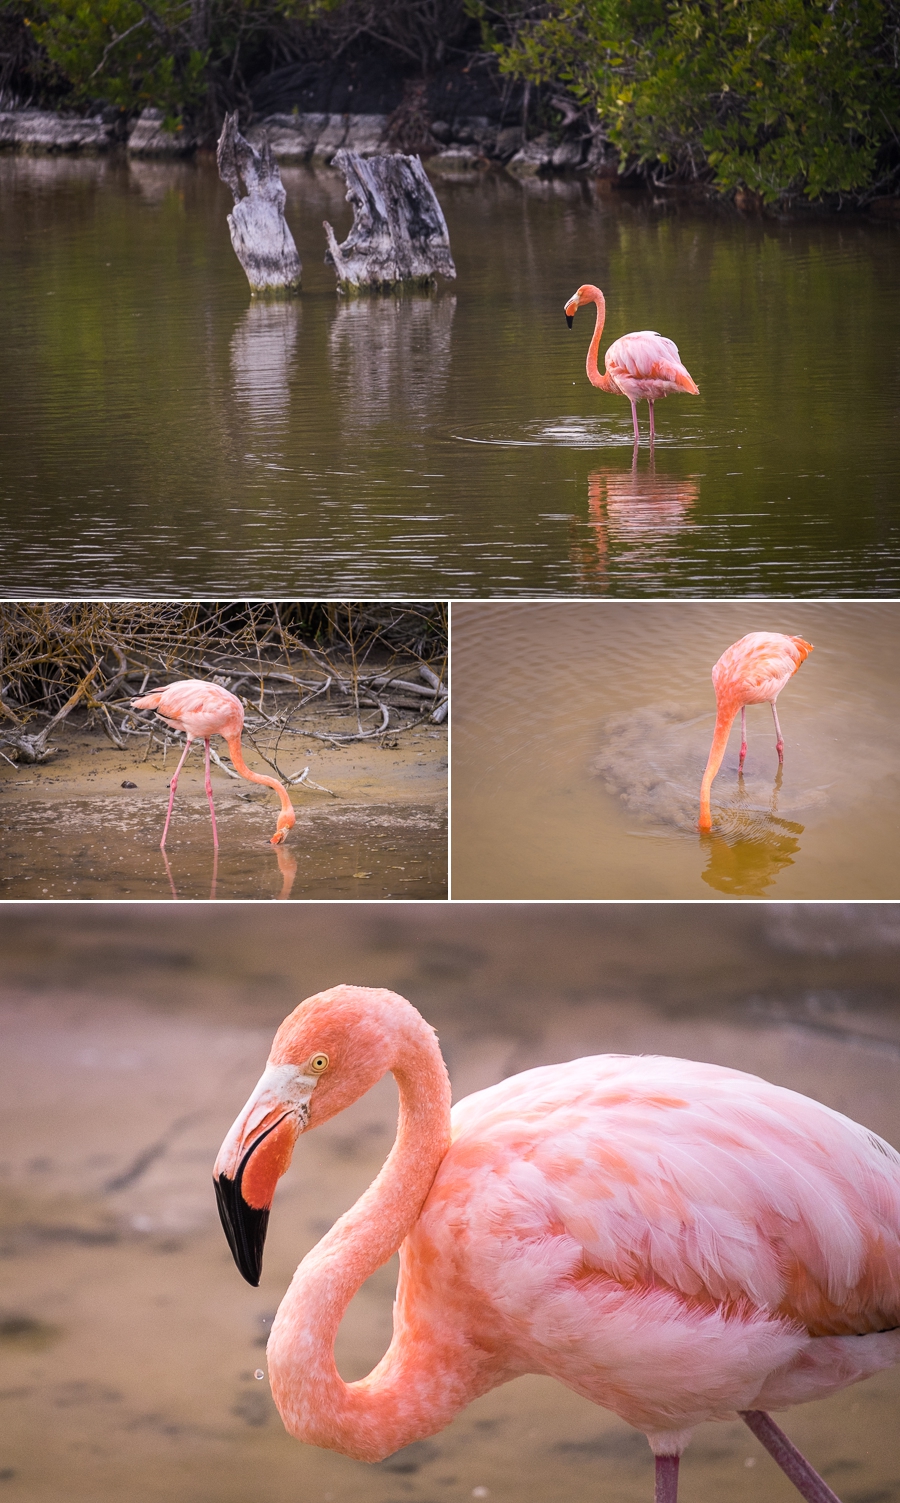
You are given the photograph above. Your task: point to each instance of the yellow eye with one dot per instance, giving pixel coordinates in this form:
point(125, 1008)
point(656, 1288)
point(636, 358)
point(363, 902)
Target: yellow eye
point(318, 1063)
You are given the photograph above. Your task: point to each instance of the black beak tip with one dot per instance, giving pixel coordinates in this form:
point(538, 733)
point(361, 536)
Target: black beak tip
point(244, 1226)
point(569, 319)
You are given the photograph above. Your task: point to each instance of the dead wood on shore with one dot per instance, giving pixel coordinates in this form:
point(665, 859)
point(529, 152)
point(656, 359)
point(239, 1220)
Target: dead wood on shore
point(333, 673)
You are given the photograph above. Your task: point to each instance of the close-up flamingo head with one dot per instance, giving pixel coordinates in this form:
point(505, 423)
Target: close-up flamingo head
point(327, 1053)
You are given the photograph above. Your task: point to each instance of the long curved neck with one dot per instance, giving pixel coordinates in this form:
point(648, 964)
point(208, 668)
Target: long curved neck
point(412, 1392)
point(287, 817)
point(725, 713)
point(593, 371)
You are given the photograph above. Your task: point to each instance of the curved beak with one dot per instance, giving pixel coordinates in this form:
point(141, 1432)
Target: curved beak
point(572, 307)
point(253, 1157)
point(569, 318)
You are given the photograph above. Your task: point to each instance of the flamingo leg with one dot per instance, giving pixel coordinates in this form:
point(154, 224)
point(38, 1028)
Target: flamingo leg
point(779, 744)
point(743, 738)
point(637, 431)
point(652, 428)
point(666, 1479)
point(792, 1462)
point(172, 786)
point(212, 807)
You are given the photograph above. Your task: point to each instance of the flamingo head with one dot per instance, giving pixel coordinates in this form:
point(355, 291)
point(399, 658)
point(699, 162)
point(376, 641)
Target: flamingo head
point(585, 294)
point(326, 1054)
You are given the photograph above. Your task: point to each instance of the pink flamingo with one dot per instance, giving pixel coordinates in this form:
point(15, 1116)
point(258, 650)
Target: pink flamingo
point(752, 671)
point(638, 366)
point(676, 1242)
point(202, 710)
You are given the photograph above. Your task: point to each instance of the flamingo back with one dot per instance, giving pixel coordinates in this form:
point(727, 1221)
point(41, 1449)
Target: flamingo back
point(647, 364)
point(200, 709)
point(756, 669)
point(704, 1185)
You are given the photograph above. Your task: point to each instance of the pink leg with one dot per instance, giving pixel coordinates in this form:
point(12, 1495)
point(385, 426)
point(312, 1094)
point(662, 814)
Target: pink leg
point(792, 1462)
point(779, 744)
point(743, 738)
point(652, 428)
point(172, 786)
point(666, 1479)
point(637, 431)
point(212, 807)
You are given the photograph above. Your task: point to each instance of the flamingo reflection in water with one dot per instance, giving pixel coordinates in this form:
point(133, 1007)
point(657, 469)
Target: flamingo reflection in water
point(287, 866)
point(632, 507)
point(755, 846)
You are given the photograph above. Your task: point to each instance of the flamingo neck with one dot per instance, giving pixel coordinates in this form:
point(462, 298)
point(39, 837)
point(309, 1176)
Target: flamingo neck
point(287, 817)
point(413, 1391)
point(593, 370)
point(726, 709)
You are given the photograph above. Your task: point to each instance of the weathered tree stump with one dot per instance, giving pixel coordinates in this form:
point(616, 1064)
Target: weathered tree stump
point(399, 234)
point(262, 241)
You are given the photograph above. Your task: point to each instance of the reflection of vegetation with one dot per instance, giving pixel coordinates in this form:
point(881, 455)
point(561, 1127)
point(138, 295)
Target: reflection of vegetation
point(776, 96)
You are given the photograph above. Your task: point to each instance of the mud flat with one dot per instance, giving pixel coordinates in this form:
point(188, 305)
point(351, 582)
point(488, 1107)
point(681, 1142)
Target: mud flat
point(73, 828)
point(128, 1341)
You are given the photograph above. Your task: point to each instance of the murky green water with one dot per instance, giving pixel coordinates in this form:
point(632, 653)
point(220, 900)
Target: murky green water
point(162, 435)
point(582, 730)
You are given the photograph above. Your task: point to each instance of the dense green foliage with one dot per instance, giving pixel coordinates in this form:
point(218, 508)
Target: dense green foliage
point(196, 58)
point(777, 96)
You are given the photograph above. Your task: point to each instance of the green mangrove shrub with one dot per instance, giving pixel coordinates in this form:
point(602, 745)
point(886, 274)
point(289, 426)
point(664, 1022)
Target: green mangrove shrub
point(780, 97)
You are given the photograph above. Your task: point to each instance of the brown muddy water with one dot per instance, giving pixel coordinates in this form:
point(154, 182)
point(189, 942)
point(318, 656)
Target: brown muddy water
point(163, 434)
point(582, 731)
point(72, 829)
point(130, 1038)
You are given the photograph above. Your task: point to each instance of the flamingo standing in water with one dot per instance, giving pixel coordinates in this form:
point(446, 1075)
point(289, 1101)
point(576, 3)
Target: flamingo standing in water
point(202, 710)
point(676, 1242)
point(643, 366)
point(749, 672)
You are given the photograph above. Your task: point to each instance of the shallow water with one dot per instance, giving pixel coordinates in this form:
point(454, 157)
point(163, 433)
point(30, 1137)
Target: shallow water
point(162, 434)
point(371, 823)
point(386, 851)
point(582, 732)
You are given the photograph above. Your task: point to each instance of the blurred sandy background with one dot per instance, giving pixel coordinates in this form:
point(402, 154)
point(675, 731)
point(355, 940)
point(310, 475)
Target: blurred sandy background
point(131, 1035)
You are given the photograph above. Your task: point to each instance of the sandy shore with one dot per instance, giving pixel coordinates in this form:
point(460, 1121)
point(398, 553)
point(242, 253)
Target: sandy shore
point(87, 823)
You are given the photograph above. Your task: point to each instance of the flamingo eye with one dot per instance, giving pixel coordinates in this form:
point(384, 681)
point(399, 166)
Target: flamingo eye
point(318, 1063)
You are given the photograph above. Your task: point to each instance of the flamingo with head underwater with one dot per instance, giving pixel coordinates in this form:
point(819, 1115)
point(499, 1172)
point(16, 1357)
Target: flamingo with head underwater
point(752, 671)
point(641, 367)
point(676, 1242)
point(202, 710)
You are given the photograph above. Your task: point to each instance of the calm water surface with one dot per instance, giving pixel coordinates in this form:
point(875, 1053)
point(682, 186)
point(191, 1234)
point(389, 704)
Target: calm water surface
point(160, 433)
point(582, 731)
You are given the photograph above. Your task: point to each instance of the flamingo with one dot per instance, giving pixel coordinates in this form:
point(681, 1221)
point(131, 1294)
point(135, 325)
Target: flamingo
point(202, 710)
point(638, 366)
point(749, 672)
point(676, 1242)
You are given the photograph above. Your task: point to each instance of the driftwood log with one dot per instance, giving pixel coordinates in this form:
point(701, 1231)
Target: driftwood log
point(399, 234)
point(262, 241)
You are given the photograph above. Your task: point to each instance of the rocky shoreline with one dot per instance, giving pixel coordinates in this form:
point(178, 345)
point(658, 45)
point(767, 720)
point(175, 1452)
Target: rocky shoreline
point(470, 144)
point(467, 145)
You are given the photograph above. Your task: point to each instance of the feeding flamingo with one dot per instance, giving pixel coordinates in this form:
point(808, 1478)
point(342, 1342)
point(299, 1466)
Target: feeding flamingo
point(643, 366)
point(749, 672)
point(676, 1242)
point(202, 710)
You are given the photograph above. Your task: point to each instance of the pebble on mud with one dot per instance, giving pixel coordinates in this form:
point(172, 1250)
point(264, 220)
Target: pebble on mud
point(126, 784)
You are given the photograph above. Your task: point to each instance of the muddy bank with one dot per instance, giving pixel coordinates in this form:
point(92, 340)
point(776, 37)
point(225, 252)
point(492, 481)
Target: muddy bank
point(87, 823)
point(128, 1342)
